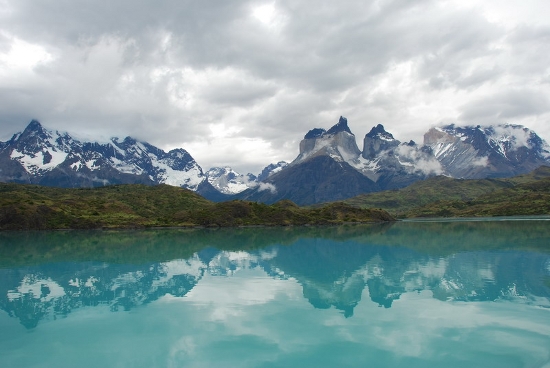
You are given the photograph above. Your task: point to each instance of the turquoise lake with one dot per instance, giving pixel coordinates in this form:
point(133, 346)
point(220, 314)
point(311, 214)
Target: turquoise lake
point(407, 294)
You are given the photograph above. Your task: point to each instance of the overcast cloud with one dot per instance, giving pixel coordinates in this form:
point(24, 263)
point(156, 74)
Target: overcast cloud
point(240, 82)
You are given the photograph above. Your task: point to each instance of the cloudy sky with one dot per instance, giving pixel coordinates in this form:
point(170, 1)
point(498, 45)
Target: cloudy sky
point(240, 82)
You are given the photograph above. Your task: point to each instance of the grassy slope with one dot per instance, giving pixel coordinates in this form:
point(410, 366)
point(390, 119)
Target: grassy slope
point(120, 206)
point(441, 196)
point(523, 199)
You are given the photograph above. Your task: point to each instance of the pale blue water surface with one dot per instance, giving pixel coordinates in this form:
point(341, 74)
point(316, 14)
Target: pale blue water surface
point(409, 294)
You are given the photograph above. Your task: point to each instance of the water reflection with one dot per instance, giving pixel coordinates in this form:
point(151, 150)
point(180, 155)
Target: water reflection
point(50, 275)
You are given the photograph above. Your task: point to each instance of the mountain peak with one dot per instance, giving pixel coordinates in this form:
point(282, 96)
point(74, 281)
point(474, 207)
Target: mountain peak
point(32, 136)
point(379, 132)
point(315, 133)
point(376, 141)
point(34, 126)
point(341, 126)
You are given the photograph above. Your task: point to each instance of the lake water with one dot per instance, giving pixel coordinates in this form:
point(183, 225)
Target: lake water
point(409, 294)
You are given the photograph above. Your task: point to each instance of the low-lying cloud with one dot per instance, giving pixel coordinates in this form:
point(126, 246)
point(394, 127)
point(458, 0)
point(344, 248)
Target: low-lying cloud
point(267, 186)
point(421, 161)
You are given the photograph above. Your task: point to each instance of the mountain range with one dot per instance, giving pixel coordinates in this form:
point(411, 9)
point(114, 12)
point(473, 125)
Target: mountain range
point(330, 166)
point(52, 158)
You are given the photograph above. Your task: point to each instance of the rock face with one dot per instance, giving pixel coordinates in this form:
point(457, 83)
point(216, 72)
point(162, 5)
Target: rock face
point(376, 141)
point(41, 156)
point(338, 143)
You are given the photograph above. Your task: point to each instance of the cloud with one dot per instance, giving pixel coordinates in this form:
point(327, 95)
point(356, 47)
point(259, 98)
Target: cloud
point(481, 161)
point(267, 186)
point(422, 162)
point(166, 72)
point(506, 105)
point(518, 137)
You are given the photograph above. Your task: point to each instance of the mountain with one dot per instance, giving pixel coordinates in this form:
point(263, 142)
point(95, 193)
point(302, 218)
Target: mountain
point(393, 164)
point(486, 152)
point(270, 170)
point(51, 158)
point(228, 181)
point(330, 165)
point(323, 171)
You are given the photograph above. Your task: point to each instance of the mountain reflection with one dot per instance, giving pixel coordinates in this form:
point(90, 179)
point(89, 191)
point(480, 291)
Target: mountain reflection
point(49, 275)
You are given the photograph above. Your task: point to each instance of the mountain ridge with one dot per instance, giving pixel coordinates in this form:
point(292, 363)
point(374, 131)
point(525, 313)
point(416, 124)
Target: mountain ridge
point(336, 168)
point(462, 152)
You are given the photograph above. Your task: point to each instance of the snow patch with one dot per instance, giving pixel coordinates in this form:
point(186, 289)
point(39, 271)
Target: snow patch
point(34, 163)
point(91, 164)
point(189, 179)
point(125, 167)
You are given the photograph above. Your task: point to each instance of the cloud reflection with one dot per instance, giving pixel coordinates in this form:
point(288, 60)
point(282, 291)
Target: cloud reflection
point(285, 305)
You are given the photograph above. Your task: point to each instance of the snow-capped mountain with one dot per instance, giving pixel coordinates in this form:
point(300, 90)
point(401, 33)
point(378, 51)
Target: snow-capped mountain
point(331, 167)
point(338, 143)
point(41, 156)
point(228, 181)
point(325, 170)
point(393, 164)
point(493, 151)
point(384, 159)
point(271, 169)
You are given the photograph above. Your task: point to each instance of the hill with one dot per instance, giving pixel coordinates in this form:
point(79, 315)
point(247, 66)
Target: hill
point(133, 205)
point(447, 197)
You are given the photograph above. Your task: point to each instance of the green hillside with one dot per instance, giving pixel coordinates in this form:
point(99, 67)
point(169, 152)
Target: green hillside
point(446, 197)
point(127, 206)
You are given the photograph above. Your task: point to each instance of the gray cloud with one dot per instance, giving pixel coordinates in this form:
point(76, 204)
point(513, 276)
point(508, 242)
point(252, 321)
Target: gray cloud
point(506, 105)
point(209, 75)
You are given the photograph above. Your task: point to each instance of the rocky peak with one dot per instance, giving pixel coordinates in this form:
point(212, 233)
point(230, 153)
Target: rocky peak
point(34, 130)
point(129, 141)
point(272, 169)
point(314, 133)
point(341, 126)
point(34, 125)
point(338, 142)
point(376, 141)
point(379, 132)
